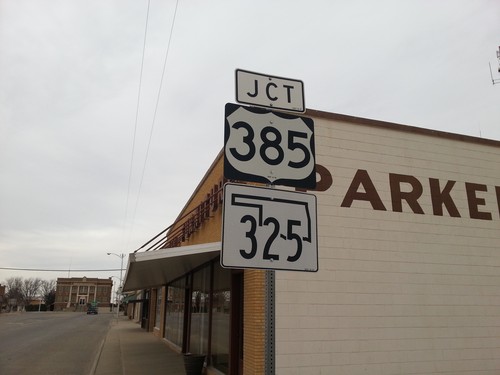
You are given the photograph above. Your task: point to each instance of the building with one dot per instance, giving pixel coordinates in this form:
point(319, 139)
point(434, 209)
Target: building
point(409, 261)
point(3, 300)
point(73, 294)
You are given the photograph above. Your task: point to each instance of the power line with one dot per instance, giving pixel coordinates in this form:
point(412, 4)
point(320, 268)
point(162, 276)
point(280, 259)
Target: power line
point(60, 270)
point(156, 109)
point(136, 116)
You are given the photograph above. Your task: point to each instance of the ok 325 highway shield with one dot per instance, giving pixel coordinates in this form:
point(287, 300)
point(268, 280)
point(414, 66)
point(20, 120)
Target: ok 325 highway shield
point(269, 228)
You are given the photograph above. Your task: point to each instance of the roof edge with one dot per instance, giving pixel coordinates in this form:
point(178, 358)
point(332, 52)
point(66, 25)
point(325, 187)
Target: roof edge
point(198, 187)
point(401, 127)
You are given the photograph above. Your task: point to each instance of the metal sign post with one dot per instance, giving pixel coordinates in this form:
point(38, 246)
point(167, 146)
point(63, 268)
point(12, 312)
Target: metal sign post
point(266, 228)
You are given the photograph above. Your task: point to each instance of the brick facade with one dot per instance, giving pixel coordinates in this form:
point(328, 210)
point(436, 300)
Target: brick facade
point(73, 294)
point(254, 322)
point(200, 221)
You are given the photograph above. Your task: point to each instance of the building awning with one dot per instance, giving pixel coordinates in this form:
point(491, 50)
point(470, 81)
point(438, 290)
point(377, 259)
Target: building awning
point(134, 300)
point(156, 268)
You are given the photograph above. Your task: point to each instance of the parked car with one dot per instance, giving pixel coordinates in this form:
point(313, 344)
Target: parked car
point(92, 310)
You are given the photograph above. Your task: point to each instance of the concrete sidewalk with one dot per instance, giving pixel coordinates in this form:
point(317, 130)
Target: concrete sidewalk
point(129, 350)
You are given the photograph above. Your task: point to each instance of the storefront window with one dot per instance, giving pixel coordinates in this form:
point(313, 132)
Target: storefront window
point(174, 318)
point(200, 297)
point(220, 318)
point(158, 308)
point(205, 306)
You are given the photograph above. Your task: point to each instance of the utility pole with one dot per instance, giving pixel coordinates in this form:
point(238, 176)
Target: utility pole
point(119, 289)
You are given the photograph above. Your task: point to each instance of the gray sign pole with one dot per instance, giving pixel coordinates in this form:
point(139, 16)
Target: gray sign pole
point(270, 319)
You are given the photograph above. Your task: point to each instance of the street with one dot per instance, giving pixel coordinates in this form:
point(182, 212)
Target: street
point(63, 343)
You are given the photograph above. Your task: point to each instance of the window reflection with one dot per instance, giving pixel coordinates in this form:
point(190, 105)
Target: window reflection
point(158, 308)
point(174, 317)
point(220, 318)
point(203, 304)
point(200, 302)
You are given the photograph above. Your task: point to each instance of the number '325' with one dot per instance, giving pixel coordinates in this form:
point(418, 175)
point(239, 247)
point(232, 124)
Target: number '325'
point(271, 221)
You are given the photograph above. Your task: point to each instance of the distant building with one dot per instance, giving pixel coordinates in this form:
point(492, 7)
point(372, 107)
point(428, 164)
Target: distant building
point(76, 292)
point(2, 297)
point(36, 304)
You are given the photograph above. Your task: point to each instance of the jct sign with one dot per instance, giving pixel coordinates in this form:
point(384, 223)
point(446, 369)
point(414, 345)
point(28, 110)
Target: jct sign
point(268, 147)
point(269, 91)
point(269, 228)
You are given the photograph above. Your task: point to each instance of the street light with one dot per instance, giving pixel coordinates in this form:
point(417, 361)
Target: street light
point(120, 286)
point(114, 292)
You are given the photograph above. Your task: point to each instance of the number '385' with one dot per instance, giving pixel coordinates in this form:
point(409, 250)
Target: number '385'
point(270, 144)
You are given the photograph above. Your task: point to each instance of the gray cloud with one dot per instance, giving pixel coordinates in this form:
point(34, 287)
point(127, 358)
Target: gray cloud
point(69, 79)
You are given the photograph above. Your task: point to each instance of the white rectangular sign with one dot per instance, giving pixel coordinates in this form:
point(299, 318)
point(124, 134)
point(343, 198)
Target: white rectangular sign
point(269, 229)
point(269, 91)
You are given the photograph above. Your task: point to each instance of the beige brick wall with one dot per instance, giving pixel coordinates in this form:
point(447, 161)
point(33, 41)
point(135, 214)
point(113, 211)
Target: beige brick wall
point(254, 322)
point(396, 292)
point(210, 229)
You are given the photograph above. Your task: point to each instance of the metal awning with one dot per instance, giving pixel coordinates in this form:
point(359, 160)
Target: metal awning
point(155, 268)
point(134, 300)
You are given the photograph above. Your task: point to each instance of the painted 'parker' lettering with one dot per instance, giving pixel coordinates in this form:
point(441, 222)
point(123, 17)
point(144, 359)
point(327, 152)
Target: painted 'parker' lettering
point(408, 189)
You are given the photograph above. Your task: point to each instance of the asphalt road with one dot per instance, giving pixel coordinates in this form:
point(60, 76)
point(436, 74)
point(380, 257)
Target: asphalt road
point(51, 342)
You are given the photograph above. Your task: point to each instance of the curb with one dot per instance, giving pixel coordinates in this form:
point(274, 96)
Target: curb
point(93, 369)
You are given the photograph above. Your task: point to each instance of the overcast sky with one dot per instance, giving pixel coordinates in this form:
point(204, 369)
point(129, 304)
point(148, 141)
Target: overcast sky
point(69, 90)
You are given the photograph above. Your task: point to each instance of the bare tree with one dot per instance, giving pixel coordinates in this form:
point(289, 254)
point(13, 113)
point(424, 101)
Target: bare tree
point(14, 286)
point(48, 291)
point(13, 291)
point(47, 286)
point(30, 289)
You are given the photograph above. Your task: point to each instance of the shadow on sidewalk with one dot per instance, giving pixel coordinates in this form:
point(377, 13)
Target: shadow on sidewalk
point(128, 349)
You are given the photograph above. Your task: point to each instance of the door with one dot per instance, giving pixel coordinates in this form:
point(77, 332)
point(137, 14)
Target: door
point(236, 351)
